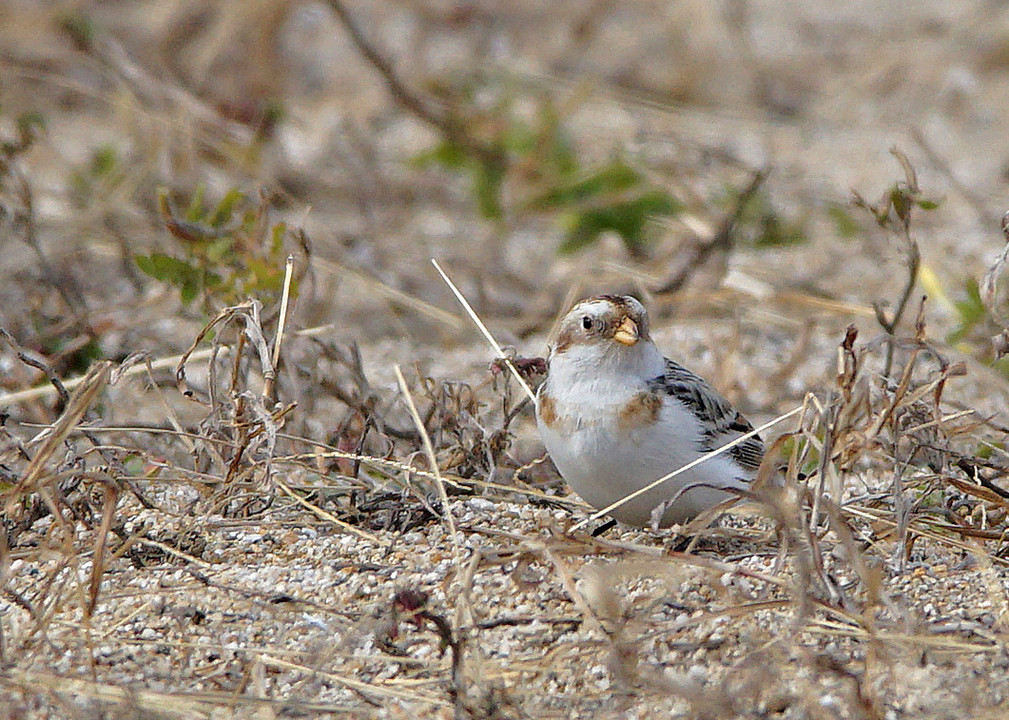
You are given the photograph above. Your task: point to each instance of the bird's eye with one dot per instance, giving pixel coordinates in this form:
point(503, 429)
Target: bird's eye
point(587, 322)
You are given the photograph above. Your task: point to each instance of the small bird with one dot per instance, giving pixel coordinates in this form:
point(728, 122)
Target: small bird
point(615, 415)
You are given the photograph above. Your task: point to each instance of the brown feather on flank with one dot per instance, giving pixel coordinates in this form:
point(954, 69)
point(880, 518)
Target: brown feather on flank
point(642, 409)
point(547, 408)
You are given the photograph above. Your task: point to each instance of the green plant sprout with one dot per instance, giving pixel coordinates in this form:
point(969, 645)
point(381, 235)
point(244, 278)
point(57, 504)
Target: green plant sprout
point(225, 252)
point(588, 201)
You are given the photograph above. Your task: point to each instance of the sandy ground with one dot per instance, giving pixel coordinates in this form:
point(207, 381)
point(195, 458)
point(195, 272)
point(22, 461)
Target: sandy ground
point(222, 556)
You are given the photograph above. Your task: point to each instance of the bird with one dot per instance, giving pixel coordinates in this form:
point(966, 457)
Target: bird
point(615, 415)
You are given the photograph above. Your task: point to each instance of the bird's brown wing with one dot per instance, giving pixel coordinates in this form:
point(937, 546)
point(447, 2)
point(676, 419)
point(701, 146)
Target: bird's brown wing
point(722, 423)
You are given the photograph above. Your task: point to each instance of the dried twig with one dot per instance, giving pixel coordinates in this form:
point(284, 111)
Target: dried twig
point(270, 377)
point(894, 210)
point(721, 241)
point(51, 438)
point(483, 329)
point(21, 396)
point(446, 509)
point(38, 363)
point(444, 122)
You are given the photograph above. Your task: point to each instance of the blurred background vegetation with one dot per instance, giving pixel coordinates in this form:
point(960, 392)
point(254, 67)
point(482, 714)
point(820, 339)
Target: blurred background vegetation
point(706, 150)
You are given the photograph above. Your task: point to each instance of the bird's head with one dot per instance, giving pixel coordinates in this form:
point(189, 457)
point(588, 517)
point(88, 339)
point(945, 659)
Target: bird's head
point(608, 323)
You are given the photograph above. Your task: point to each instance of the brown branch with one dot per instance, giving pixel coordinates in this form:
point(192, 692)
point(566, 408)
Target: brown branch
point(443, 122)
point(39, 364)
point(396, 86)
point(890, 326)
point(893, 211)
point(722, 240)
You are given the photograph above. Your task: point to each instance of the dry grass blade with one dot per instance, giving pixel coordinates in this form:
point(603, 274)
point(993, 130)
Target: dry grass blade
point(167, 550)
point(567, 579)
point(330, 517)
point(247, 311)
point(140, 702)
point(356, 685)
point(978, 491)
point(160, 364)
point(451, 480)
point(169, 411)
point(483, 329)
point(80, 401)
point(446, 509)
point(387, 291)
point(919, 527)
point(101, 540)
point(269, 385)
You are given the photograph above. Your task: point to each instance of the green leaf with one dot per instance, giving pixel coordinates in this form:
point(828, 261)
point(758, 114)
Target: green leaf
point(801, 447)
point(447, 154)
point(657, 202)
point(488, 178)
point(224, 210)
point(1002, 366)
point(970, 311)
point(135, 464)
point(164, 267)
point(265, 276)
point(986, 449)
point(104, 161)
point(189, 280)
point(195, 211)
point(561, 153)
point(218, 249)
point(249, 220)
point(901, 202)
point(81, 359)
point(188, 290)
point(776, 231)
point(614, 178)
point(79, 27)
point(583, 230)
point(627, 218)
point(272, 115)
point(844, 223)
point(277, 239)
point(29, 122)
point(559, 150)
point(519, 138)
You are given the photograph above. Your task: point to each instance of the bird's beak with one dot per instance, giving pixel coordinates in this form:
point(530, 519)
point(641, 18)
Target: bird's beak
point(626, 332)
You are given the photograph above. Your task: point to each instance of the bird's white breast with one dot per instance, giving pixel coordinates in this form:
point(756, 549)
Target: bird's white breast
point(606, 453)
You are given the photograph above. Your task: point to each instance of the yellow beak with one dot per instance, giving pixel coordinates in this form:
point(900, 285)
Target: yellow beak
point(626, 332)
